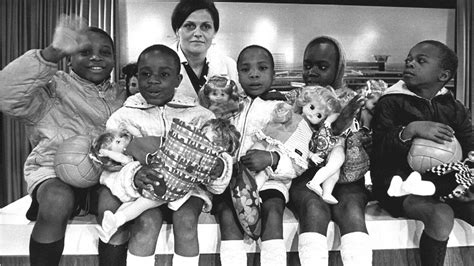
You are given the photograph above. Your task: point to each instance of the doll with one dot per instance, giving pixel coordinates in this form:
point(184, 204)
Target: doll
point(286, 132)
point(446, 181)
point(320, 107)
point(372, 92)
point(187, 157)
point(220, 95)
point(131, 82)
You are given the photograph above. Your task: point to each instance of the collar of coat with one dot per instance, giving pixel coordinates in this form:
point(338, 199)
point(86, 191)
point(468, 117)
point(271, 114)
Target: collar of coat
point(179, 101)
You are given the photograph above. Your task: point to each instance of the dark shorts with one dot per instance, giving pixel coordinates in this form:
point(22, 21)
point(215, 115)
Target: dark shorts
point(299, 193)
point(85, 202)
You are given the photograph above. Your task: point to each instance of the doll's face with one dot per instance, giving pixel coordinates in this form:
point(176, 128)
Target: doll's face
point(214, 137)
point(119, 143)
point(314, 112)
point(133, 85)
point(218, 95)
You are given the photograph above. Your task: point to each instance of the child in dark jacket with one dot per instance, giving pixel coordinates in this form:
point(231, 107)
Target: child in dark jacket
point(420, 106)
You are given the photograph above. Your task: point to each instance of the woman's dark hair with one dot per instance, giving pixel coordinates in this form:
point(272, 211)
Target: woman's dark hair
point(104, 33)
point(185, 7)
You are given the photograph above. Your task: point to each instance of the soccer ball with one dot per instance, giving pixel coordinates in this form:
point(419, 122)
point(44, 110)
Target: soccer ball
point(73, 165)
point(425, 154)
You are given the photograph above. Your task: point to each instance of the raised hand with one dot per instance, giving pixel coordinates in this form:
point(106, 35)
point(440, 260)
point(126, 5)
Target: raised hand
point(344, 120)
point(69, 35)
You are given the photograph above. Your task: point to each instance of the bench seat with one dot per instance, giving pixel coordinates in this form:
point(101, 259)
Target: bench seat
point(386, 233)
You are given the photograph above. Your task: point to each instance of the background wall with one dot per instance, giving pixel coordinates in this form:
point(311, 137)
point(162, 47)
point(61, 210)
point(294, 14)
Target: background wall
point(286, 28)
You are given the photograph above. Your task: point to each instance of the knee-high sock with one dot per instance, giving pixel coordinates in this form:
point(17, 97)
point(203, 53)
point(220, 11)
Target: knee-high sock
point(46, 253)
point(134, 260)
point(356, 249)
point(112, 255)
point(179, 260)
point(233, 253)
point(273, 253)
point(432, 251)
point(313, 249)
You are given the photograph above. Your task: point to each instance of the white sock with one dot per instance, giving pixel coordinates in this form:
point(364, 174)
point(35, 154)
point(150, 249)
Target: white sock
point(313, 249)
point(356, 249)
point(179, 260)
point(134, 260)
point(233, 253)
point(273, 253)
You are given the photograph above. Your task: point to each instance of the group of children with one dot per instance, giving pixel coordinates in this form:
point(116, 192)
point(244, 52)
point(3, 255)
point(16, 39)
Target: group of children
point(294, 148)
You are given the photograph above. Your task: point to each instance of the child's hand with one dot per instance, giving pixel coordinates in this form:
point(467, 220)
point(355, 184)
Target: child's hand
point(437, 132)
point(147, 176)
point(344, 120)
point(257, 160)
point(218, 169)
point(69, 35)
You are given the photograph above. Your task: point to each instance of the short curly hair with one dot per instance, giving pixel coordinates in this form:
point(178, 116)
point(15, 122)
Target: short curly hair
point(324, 95)
point(228, 135)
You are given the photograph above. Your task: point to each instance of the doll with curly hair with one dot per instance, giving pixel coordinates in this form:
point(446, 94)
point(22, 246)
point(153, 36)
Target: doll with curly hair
point(220, 95)
point(320, 107)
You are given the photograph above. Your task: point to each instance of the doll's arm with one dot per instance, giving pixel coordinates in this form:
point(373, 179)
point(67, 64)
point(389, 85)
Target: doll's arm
point(330, 119)
point(116, 156)
point(219, 184)
point(315, 158)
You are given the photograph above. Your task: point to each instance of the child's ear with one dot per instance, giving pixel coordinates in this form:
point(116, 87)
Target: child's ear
point(445, 75)
point(180, 78)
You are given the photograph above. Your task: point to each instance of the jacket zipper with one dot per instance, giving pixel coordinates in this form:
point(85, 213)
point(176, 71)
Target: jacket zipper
point(102, 97)
point(244, 127)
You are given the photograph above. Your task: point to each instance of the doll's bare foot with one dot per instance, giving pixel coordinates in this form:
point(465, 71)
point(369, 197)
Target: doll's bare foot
point(110, 224)
point(395, 189)
point(315, 188)
point(330, 199)
point(416, 186)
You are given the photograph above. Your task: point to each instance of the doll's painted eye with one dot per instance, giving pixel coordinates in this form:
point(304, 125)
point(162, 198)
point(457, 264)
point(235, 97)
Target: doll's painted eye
point(311, 107)
point(319, 115)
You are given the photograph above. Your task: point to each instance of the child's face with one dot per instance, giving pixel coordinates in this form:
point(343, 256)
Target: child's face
point(157, 77)
point(423, 67)
point(255, 72)
point(95, 62)
point(314, 112)
point(320, 64)
point(371, 101)
point(197, 32)
point(218, 95)
point(119, 143)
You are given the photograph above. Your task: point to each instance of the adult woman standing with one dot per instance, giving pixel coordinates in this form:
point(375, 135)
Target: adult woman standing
point(196, 23)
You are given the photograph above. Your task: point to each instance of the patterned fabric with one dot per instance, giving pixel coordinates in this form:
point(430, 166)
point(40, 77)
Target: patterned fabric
point(463, 175)
point(357, 160)
point(246, 201)
point(187, 158)
point(323, 141)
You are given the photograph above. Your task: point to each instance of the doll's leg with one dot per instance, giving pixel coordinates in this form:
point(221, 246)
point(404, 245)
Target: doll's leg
point(126, 212)
point(328, 187)
point(334, 163)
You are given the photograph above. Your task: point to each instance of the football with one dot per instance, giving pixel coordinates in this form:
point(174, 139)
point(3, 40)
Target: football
point(73, 165)
point(425, 154)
